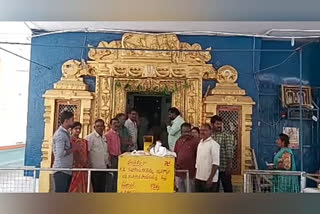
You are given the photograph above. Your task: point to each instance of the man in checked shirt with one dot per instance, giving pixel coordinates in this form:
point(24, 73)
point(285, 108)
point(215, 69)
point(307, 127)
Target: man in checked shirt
point(226, 141)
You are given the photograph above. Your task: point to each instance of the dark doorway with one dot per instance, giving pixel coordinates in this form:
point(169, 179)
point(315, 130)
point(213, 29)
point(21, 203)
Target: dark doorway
point(152, 106)
point(153, 113)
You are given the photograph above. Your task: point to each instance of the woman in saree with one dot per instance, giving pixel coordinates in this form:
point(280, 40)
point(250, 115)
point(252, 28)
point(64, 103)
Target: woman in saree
point(80, 160)
point(284, 160)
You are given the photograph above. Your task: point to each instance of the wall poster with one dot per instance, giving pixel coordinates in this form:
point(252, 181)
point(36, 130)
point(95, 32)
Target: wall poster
point(293, 134)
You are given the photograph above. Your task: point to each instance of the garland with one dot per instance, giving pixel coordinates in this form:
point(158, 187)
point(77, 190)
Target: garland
point(164, 91)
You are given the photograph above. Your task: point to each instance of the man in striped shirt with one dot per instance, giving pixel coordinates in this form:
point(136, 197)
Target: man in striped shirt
point(226, 142)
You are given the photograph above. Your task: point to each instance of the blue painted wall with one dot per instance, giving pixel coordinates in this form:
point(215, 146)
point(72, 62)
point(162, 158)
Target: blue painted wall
point(262, 84)
point(269, 120)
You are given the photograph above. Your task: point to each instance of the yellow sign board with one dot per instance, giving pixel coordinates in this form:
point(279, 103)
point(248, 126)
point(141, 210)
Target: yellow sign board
point(145, 174)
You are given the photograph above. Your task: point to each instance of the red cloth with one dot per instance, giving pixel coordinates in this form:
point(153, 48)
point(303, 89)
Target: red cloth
point(114, 143)
point(186, 150)
point(79, 180)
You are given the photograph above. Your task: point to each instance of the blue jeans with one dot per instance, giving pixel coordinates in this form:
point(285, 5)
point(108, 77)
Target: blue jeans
point(62, 182)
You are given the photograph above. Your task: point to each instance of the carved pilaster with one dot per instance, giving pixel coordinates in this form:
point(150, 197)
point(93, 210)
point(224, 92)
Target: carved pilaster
point(46, 149)
point(178, 99)
point(96, 104)
point(86, 121)
point(193, 99)
point(119, 98)
point(248, 122)
point(105, 99)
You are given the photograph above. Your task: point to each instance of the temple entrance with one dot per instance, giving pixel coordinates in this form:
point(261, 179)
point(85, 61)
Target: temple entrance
point(153, 107)
point(153, 111)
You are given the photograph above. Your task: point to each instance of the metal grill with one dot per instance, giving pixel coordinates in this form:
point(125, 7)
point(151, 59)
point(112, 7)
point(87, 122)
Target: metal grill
point(231, 124)
point(265, 181)
point(62, 108)
point(66, 105)
point(16, 181)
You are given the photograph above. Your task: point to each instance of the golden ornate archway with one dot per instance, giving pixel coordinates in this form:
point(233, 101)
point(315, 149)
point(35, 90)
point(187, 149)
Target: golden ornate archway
point(152, 69)
point(143, 63)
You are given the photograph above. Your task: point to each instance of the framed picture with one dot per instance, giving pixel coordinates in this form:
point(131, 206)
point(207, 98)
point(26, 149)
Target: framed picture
point(291, 96)
point(293, 134)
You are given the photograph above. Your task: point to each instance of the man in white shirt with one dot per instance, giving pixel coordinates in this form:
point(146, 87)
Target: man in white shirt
point(208, 161)
point(98, 156)
point(131, 125)
point(174, 128)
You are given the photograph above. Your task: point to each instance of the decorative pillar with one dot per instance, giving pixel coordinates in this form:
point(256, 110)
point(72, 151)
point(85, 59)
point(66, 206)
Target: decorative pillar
point(70, 89)
point(192, 99)
point(228, 95)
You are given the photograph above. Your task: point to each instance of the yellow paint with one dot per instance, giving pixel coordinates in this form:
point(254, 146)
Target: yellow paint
point(147, 142)
point(146, 146)
point(145, 174)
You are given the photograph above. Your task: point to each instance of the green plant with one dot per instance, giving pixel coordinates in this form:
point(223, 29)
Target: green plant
point(127, 86)
point(118, 84)
point(155, 88)
point(139, 87)
point(165, 90)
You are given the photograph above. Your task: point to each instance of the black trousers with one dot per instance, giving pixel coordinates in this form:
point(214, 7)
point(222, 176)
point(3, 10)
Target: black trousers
point(226, 181)
point(99, 180)
point(201, 186)
point(61, 182)
point(112, 177)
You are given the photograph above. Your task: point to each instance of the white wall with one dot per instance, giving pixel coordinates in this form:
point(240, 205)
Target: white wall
point(14, 79)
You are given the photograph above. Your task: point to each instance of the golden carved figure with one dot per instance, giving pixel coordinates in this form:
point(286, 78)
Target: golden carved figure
point(162, 72)
point(192, 104)
point(102, 52)
point(227, 74)
point(197, 56)
point(70, 69)
point(105, 85)
point(135, 71)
